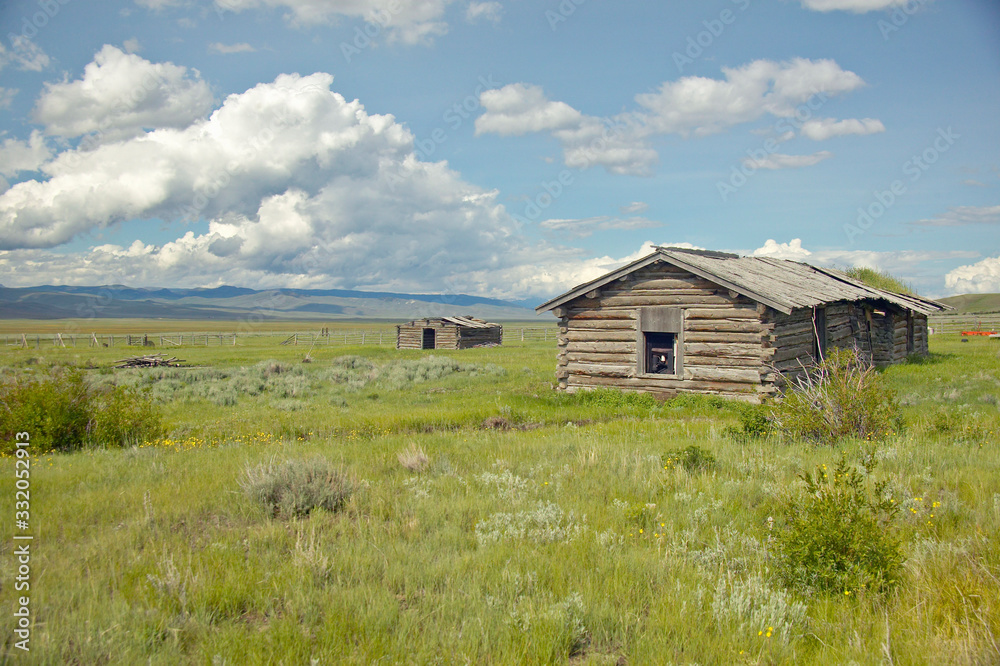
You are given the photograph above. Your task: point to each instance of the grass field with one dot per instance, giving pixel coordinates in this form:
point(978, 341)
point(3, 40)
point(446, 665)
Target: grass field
point(492, 520)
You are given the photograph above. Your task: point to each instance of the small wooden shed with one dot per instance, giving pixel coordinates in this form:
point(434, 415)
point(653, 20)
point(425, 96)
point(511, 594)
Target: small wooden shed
point(682, 320)
point(448, 333)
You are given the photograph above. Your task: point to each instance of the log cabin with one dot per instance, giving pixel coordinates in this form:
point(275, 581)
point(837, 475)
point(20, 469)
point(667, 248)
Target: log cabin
point(448, 333)
point(695, 321)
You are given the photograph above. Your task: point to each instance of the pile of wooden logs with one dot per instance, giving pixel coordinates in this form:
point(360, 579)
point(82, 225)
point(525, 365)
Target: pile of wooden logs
point(151, 361)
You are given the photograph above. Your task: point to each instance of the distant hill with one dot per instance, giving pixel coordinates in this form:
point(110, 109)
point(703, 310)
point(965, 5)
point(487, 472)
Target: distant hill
point(971, 303)
point(234, 303)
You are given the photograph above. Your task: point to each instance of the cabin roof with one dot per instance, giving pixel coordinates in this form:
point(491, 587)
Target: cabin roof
point(464, 322)
point(778, 283)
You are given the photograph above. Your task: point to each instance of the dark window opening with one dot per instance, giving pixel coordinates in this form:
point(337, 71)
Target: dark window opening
point(429, 339)
point(910, 341)
point(819, 341)
point(660, 353)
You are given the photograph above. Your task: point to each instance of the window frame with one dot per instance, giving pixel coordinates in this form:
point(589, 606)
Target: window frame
point(659, 319)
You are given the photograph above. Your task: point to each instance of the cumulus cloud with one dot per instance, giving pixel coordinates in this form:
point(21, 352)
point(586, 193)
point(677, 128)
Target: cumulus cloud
point(285, 184)
point(518, 109)
point(856, 6)
point(780, 161)
point(227, 49)
point(822, 129)
point(484, 11)
point(120, 96)
point(17, 156)
point(961, 216)
point(690, 106)
point(791, 250)
point(581, 228)
point(409, 22)
point(699, 105)
point(982, 277)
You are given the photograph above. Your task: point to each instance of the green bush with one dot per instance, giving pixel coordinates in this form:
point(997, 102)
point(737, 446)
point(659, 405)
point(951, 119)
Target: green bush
point(124, 416)
point(63, 412)
point(295, 487)
point(843, 396)
point(838, 536)
point(754, 423)
point(693, 459)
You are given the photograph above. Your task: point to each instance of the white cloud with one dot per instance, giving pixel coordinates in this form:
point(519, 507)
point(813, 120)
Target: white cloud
point(7, 97)
point(25, 54)
point(120, 96)
point(702, 106)
point(288, 184)
point(961, 216)
point(982, 277)
point(691, 105)
point(581, 228)
point(409, 22)
point(518, 109)
point(488, 11)
point(792, 250)
point(226, 49)
point(856, 6)
point(132, 45)
point(822, 129)
point(634, 208)
point(780, 161)
point(17, 155)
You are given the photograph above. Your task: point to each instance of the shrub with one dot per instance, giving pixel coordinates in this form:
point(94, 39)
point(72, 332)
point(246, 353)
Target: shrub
point(296, 487)
point(124, 416)
point(693, 459)
point(754, 423)
point(840, 397)
point(62, 412)
point(838, 536)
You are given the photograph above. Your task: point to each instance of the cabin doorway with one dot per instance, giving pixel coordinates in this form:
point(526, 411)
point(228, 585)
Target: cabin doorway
point(429, 340)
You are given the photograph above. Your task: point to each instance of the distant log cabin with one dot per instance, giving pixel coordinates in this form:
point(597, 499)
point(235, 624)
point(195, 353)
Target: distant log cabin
point(448, 333)
point(695, 321)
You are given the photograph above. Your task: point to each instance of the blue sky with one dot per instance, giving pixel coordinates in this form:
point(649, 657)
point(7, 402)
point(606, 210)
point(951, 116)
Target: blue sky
point(509, 149)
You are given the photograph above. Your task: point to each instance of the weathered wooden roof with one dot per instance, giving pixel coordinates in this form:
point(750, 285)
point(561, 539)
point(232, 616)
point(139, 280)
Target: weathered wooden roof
point(466, 322)
point(778, 283)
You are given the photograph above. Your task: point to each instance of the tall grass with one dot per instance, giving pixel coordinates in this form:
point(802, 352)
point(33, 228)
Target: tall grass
point(572, 540)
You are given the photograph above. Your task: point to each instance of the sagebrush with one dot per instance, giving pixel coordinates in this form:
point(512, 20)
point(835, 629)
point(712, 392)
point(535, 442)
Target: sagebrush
point(843, 396)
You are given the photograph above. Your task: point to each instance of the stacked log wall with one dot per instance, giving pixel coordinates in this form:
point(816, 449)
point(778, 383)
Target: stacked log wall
point(412, 337)
point(920, 340)
point(721, 350)
point(471, 337)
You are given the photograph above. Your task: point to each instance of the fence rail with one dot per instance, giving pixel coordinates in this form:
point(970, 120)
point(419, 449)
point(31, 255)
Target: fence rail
point(325, 337)
point(964, 322)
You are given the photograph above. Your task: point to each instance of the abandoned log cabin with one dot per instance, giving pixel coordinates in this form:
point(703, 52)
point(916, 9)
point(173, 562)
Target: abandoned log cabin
point(448, 333)
point(682, 320)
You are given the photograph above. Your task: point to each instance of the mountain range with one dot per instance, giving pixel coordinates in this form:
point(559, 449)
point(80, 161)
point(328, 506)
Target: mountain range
point(235, 303)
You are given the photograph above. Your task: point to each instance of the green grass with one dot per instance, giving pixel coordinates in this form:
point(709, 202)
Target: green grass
point(879, 279)
point(543, 528)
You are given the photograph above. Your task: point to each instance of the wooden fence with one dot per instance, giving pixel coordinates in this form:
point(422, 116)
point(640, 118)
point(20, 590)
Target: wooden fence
point(326, 337)
point(955, 324)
